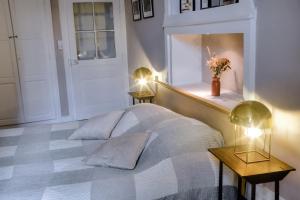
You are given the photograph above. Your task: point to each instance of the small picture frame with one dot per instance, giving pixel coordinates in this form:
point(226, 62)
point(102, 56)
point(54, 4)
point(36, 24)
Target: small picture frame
point(204, 4)
point(214, 3)
point(136, 10)
point(147, 8)
point(228, 2)
point(187, 5)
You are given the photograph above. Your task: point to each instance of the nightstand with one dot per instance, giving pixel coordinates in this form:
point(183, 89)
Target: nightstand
point(142, 96)
point(255, 173)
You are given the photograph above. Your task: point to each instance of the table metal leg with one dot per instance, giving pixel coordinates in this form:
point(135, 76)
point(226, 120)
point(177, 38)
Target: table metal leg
point(253, 191)
point(277, 190)
point(220, 181)
point(239, 194)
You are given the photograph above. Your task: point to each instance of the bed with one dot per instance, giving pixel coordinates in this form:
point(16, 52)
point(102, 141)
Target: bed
point(40, 163)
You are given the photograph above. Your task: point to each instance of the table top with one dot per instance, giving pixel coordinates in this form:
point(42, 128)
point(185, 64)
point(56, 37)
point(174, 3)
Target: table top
point(141, 94)
point(274, 166)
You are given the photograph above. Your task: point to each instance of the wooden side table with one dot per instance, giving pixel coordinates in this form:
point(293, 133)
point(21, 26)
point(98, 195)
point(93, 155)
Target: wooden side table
point(142, 96)
point(254, 173)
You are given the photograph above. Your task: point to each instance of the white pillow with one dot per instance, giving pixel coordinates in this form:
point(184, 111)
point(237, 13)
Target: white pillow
point(98, 128)
point(141, 117)
point(128, 121)
point(119, 152)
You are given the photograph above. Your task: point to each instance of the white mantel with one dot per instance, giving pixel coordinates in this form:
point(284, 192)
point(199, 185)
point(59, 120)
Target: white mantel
point(244, 10)
point(235, 18)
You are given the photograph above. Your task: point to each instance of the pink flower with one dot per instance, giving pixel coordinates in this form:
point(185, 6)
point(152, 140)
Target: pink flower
point(218, 65)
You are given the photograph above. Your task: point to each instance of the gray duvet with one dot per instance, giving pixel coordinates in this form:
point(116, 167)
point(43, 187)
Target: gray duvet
point(40, 163)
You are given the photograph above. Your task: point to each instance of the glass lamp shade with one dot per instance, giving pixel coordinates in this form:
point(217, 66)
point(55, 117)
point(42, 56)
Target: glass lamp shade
point(143, 74)
point(253, 123)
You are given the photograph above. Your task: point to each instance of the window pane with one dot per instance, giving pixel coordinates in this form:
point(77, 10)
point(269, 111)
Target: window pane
point(83, 16)
point(106, 44)
point(86, 49)
point(104, 19)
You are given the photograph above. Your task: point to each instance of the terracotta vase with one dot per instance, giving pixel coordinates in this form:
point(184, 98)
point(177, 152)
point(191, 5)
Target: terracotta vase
point(215, 86)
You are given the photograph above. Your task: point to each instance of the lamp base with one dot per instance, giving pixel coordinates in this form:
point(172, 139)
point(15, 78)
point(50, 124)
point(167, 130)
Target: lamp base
point(252, 156)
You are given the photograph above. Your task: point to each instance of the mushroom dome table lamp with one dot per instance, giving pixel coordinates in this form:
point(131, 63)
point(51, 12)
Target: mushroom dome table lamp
point(253, 123)
point(143, 76)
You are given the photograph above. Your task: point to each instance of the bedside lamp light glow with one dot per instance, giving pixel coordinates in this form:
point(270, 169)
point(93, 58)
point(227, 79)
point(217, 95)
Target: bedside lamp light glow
point(142, 75)
point(252, 121)
point(253, 133)
point(142, 81)
point(143, 78)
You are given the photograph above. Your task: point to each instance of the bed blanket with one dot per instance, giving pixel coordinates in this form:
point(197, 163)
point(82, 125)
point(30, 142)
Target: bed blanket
point(40, 163)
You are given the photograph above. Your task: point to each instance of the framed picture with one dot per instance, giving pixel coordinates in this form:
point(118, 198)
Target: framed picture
point(136, 10)
point(204, 4)
point(228, 2)
point(214, 3)
point(187, 5)
point(147, 7)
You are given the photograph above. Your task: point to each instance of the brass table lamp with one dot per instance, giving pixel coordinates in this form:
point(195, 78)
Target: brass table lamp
point(253, 123)
point(143, 76)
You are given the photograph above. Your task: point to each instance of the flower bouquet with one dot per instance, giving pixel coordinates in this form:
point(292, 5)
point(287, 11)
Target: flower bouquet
point(217, 66)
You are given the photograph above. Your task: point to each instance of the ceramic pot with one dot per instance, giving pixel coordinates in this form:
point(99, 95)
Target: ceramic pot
point(215, 86)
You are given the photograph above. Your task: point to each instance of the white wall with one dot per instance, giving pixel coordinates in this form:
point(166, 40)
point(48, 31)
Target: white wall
point(278, 82)
point(186, 59)
point(145, 39)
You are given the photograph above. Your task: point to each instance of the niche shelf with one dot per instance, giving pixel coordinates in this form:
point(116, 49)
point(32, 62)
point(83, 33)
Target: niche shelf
point(239, 18)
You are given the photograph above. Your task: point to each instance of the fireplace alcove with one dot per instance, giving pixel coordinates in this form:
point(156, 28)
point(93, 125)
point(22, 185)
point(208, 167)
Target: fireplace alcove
point(228, 31)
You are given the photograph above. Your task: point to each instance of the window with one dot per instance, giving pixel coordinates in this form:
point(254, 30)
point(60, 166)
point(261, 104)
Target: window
point(94, 29)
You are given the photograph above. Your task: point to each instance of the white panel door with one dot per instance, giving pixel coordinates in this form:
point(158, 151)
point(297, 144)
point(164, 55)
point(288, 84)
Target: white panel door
point(32, 27)
point(99, 71)
point(10, 106)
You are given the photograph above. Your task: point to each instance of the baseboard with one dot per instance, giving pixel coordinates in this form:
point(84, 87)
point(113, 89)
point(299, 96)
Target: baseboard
point(9, 122)
point(55, 121)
